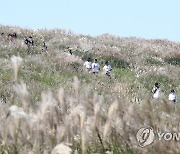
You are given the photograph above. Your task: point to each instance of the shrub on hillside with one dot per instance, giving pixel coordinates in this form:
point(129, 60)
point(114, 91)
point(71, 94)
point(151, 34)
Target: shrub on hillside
point(173, 61)
point(153, 61)
point(114, 61)
point(173, 58)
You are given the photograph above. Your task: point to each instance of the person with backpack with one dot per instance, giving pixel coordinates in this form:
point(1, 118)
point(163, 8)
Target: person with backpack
point(95, 67)
point(88, 64)
point(156, 91)
point(107, 69)
point(172, 96)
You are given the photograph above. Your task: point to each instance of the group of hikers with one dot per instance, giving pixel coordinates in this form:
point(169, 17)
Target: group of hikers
point(157, 90)
point(94, 67)
point(10, 37)
point(28, 41)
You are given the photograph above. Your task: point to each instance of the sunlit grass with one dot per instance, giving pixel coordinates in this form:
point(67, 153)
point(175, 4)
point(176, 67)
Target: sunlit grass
point(54, 104)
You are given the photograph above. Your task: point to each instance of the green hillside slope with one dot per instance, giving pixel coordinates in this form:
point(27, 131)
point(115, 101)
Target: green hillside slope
point(60, 102)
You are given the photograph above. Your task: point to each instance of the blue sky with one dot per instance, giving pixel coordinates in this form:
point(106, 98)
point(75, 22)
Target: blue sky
point(149, 19)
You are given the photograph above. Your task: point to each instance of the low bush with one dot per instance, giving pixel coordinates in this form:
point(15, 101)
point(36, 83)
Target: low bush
point(114, 61)
point(173, 61)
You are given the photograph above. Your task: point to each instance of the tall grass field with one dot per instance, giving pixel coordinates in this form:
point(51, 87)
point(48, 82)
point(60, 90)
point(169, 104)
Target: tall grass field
point(50, 104)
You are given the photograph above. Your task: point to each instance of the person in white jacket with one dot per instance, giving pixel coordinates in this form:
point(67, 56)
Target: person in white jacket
point(88, 65)
point(156, 91)
point(172, 96)
point(107, 69)
point(95, 67)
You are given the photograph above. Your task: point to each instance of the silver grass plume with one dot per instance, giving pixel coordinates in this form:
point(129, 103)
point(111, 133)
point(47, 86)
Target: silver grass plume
point(16, 61)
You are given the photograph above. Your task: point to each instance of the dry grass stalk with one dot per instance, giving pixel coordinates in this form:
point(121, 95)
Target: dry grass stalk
point(111, 114)
point(17, 61)
point(61, 149)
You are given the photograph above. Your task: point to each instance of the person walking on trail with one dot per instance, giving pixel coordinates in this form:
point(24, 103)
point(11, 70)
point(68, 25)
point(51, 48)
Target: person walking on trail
point(95, 67)
point(107, 69)
point(172, 96)
point(88, 64)
point(156, 91)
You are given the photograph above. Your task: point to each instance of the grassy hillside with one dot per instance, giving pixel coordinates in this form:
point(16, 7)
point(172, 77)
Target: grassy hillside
point(62, 103)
